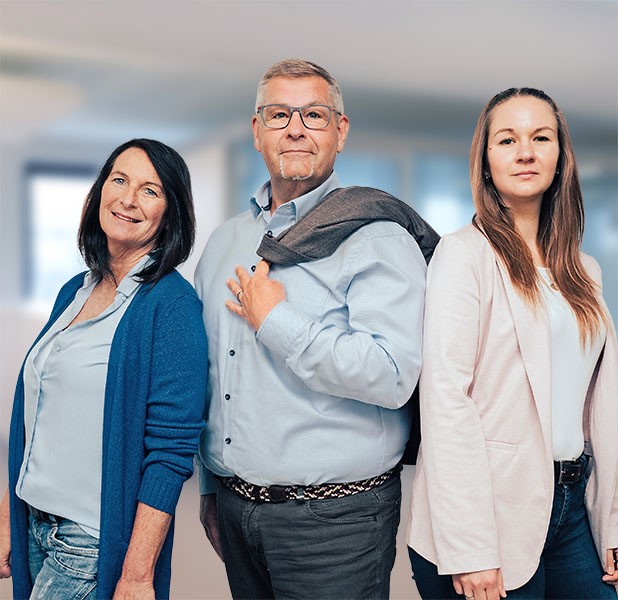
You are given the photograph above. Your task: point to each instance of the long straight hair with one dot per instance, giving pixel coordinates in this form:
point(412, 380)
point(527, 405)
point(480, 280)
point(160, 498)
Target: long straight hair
point(561, 222)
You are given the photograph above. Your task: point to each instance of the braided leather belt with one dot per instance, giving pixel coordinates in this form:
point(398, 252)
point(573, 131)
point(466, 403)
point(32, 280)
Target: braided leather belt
point(281, 493)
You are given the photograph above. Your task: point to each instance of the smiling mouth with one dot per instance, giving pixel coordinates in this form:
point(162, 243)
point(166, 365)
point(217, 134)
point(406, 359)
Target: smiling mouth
point(125, 218)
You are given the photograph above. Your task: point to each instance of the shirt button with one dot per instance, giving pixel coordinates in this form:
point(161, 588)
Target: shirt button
point(228, 441)
point(232, 352)
point(253, 267)
point(227, 396)
point(269, 233)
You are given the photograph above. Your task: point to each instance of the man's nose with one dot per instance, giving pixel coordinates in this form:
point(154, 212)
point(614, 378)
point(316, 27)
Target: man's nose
point(296, 127)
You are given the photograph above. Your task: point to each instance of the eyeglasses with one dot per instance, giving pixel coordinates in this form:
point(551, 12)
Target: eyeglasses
point(313, 116)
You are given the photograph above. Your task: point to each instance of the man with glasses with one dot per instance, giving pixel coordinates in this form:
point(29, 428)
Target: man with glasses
point(311, 365)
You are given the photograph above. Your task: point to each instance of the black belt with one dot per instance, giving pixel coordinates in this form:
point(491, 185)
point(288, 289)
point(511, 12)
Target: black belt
point(568, 472)
point(281, 493)
point(41, 515)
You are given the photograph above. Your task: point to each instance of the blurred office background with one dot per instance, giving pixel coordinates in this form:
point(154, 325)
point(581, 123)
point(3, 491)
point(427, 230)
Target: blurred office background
point(77, 78)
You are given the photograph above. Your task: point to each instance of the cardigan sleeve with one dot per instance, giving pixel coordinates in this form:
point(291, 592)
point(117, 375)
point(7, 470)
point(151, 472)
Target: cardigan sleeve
point(177, 392)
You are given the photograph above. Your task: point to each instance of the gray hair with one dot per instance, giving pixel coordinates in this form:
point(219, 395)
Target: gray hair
point(298, 68)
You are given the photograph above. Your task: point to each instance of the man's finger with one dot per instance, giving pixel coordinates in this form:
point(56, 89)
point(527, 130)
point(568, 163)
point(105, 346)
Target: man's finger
point(262, 268)
point(243, 276)
point(233, 307)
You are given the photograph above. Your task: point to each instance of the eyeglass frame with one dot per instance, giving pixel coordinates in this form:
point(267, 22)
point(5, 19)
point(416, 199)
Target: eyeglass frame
point(298, 109)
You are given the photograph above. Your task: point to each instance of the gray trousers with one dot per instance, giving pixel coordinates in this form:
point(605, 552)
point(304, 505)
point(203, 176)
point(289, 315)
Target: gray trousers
point(337, 548)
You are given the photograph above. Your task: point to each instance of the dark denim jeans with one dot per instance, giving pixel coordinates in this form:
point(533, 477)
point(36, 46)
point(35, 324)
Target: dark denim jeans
point(336, 548)
point(569, 568)
point(63, 560)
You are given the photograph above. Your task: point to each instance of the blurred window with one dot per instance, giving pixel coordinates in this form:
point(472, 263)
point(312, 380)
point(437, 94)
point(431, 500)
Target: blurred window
point(55, 198)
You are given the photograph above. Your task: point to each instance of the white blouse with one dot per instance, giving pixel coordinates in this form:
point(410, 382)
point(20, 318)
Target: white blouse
point(572, 367)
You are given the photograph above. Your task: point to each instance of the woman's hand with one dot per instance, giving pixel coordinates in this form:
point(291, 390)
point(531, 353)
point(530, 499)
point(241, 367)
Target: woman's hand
point(5, 537)
point(149, 532)
point(480, 585)
point(611, 567)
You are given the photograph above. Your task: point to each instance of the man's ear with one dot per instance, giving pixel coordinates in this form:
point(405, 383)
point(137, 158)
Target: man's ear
point(343, 126)
point(255, 127)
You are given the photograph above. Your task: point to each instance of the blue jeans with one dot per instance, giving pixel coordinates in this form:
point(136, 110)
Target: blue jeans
point(335, 548)
point(63, 560)
point(569, 567)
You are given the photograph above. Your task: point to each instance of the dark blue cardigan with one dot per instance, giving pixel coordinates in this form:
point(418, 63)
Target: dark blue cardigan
point(154, 399)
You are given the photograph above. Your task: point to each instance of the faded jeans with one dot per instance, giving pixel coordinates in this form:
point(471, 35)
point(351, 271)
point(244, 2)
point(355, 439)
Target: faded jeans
point(63, 560)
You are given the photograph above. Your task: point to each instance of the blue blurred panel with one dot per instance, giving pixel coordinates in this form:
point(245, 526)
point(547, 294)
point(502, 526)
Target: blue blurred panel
point(247, 174)
point(601, 232)
point(370, 170)
point(441, 190)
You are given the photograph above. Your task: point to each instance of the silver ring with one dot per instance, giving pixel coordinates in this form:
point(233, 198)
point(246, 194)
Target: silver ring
point(238, 293)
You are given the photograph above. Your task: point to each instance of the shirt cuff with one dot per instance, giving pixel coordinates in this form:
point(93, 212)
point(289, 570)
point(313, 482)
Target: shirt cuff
point(281, 329)
point(208, 483)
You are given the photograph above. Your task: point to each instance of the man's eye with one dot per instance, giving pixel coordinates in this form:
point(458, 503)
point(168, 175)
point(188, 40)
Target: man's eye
point(279, 115)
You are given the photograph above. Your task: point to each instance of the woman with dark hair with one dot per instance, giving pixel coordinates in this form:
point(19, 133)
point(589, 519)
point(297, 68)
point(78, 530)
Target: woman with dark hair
point(108, 405)
point(516, 483)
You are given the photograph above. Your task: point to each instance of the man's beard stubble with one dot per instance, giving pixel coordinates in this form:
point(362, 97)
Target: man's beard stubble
point(296, 177)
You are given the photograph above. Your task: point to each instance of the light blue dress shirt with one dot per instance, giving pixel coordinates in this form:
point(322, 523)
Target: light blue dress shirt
point(64, 383)
point(316, 395)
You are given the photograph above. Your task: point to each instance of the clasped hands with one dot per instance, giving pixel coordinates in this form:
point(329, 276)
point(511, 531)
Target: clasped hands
point(256, 295)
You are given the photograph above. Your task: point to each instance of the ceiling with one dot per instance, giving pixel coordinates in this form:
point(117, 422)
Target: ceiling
point(183, 69)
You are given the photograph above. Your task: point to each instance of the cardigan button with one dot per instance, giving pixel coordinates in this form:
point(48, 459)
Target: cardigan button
point(227, 396)
point(232, 352)
point(228, 441)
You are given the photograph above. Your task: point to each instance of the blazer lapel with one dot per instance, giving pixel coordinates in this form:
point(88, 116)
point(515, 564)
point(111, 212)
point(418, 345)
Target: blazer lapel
point(533, 336)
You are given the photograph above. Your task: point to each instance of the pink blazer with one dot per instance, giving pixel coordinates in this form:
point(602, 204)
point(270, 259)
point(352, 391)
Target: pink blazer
point(482, 493)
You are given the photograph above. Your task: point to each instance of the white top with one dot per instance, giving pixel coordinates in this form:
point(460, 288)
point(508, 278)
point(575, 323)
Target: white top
point(571, 371)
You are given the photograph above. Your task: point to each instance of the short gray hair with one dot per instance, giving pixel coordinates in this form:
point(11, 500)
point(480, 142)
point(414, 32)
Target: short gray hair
point(298, 68)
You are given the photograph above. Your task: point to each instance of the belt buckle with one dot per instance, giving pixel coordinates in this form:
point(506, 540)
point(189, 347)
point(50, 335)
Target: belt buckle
point(570, 473)
point(277, 493)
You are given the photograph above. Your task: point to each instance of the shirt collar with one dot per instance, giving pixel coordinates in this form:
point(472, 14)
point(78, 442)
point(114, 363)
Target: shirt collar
point(129, 283)
point(260, 202)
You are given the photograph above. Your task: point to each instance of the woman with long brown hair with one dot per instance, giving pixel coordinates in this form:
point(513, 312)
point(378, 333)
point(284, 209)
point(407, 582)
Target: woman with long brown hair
point(516, 482)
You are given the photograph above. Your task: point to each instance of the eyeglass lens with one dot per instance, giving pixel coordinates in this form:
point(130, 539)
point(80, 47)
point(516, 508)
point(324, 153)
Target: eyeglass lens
point(278, 116)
